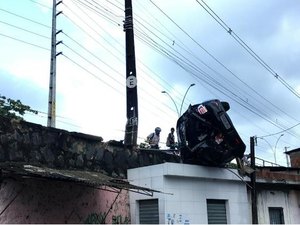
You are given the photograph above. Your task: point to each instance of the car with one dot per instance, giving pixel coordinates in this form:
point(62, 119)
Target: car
point(206, 135)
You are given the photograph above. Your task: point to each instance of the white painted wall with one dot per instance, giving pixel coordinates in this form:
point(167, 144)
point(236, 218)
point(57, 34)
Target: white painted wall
point(185, 190)
point(289, 200)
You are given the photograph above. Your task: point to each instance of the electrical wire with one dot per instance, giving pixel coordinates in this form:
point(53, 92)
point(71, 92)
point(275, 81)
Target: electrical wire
point(280, 131)
point(26, 30)
point(189, 66)
point(118, 73)
point(107, 18)
point(25, 42)
point(194, 41)
point(247, 48)
point(91, 36)
point(219, 74)
point(36, 2)
point(177, 60)
point(25, 18)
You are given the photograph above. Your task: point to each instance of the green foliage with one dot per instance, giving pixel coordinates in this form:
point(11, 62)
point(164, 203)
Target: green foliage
point(232, 166)
point(13, 109)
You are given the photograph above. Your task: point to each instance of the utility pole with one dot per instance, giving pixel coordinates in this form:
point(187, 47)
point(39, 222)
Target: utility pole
point(253, 182)
point(131, 129)
point(286, 156)
point(52, 82)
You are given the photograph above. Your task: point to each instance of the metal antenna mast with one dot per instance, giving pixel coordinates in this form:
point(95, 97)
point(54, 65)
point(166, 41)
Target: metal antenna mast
point(52, 82)
point(131, 129)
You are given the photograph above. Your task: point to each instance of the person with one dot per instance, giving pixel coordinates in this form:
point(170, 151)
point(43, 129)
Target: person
point(171, 139)
point(153, 138)
point(246, 159)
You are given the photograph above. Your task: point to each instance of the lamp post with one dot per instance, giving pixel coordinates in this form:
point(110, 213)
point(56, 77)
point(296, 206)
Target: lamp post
point(276, 146)
point(164, 92)
point(179, 112)
point(270, 147)
point(191, 85)
point(273, 149)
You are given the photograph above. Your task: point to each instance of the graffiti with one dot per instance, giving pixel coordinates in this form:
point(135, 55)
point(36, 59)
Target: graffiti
point(96, 218)
point(173, 218)
point(120, 220)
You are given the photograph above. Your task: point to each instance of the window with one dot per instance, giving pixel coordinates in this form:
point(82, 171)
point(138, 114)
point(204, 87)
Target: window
point(276, 215)
point(216, 211)
point(148, 211)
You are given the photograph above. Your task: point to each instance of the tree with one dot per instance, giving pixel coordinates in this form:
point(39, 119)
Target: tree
point(13, 109)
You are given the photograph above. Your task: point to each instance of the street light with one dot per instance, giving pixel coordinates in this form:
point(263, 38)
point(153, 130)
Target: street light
point(164, 92)
point(276, 146)
point(273, 149)
point(191, 85)
point(178, 112)
point(269, 145)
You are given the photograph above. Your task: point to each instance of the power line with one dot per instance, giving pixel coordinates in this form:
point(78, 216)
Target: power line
point(25, 18)
point(98, 12)
point(280, 131)
point(26, 30)
point(266, 118)
point(247, 48)
point(45, 6)
point(122, 9)
point(192, 67)
point(149, 94)
point(93, 74)
point(91, 36)
point(25, 42)
point(185, 48)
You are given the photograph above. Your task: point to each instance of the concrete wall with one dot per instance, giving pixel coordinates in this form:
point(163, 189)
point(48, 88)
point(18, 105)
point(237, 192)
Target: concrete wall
point(186, 189)
point(44, 201)
point(289, 200)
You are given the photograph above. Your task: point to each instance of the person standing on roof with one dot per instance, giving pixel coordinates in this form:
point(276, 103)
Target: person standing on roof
point(153, 138)
point(171, 139)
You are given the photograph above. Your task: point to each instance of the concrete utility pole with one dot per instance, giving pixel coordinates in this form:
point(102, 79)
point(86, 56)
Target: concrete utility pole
point(131, 129)
point(52, 82)
point(253, 182)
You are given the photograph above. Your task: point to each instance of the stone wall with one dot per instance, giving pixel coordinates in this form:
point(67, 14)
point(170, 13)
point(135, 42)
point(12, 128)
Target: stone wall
point(34, 144)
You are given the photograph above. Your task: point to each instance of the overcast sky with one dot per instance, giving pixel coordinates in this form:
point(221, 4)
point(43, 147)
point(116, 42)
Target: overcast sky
point(177, 43)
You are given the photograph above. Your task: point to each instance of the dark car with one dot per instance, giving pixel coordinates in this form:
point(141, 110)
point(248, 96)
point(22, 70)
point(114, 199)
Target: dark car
point(206, 135)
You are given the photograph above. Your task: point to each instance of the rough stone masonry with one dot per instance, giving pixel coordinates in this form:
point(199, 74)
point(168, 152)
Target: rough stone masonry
point(33, 144)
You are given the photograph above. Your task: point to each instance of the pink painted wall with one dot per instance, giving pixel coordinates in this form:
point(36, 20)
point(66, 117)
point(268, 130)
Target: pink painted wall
point(49, 201)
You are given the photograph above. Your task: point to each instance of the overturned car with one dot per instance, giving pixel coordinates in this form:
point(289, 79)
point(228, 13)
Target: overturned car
point(206, 135)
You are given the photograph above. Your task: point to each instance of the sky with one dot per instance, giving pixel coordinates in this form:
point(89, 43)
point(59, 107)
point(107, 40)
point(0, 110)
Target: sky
point(177, 43)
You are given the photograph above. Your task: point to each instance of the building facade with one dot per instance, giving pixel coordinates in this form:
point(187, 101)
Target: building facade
point(205, 195)
point(190, 194)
